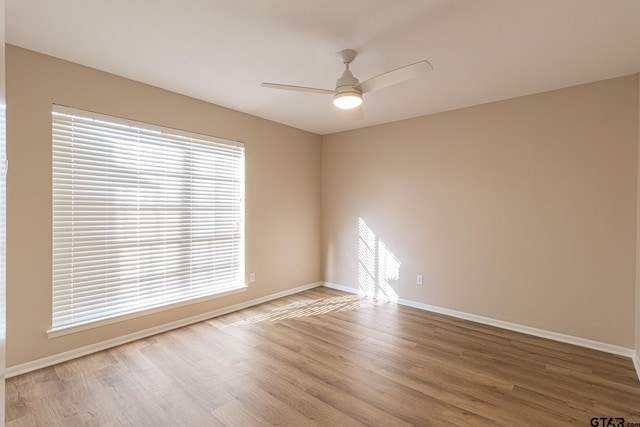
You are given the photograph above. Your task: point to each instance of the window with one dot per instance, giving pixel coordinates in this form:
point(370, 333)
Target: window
point(143, 217)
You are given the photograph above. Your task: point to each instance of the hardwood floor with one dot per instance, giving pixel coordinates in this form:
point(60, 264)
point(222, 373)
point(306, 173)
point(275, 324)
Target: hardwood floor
point(323, 357)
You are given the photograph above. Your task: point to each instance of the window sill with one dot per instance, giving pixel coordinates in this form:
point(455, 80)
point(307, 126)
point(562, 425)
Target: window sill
point(66, 330)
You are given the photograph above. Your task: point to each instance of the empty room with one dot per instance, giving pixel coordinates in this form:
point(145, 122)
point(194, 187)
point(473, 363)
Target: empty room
point(330, 213)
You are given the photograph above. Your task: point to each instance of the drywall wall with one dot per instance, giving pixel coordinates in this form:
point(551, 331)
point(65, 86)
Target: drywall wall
point(282, 193)
point(522, 210)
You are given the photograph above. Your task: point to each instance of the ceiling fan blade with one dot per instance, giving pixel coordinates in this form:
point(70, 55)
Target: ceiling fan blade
point(355, 113)
point(396, 76)
point(297, 88)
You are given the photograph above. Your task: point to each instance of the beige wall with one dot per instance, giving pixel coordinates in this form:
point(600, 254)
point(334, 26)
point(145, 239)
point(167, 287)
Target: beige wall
point(282, 189)
point(522, 210)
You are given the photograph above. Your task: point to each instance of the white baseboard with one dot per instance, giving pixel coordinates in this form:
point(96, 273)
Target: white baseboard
point(582, 342)
point(569, 339)
point(636, 362)
point(33, 365)
point(342, 288)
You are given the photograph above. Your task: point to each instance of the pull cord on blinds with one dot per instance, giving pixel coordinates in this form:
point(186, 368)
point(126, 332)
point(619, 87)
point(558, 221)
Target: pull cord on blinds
point(143, 217)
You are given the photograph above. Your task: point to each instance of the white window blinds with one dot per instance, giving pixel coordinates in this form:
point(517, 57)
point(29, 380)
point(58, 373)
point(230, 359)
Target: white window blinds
point(143, 217)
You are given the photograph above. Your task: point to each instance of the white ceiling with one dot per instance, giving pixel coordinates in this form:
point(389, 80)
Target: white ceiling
point(221, 50)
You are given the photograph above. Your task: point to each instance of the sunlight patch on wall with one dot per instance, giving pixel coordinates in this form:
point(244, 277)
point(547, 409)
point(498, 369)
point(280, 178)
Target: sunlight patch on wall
point(377, 265)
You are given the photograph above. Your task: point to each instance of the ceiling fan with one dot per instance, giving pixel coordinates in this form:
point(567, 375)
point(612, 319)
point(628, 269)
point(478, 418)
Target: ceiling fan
point(348, 92)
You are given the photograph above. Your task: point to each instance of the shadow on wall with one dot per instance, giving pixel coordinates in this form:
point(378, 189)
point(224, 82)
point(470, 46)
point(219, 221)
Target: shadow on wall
point(377, 265)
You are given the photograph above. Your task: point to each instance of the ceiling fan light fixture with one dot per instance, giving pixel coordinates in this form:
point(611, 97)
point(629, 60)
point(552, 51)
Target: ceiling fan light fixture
point(347, 100)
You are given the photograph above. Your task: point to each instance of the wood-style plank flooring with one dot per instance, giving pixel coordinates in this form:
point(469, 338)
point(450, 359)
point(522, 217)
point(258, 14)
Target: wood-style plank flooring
point(327, 358)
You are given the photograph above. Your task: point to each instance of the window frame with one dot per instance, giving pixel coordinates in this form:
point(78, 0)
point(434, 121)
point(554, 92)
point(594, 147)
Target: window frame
point(239, 282)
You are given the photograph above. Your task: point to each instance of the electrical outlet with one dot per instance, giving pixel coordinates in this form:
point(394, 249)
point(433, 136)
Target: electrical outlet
point(419, 279)
point(252, 277)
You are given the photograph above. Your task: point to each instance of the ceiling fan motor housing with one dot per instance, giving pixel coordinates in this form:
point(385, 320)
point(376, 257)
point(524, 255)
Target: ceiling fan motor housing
point(347, 83)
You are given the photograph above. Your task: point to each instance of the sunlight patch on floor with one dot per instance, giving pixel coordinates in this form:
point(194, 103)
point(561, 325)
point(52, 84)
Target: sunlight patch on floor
point(312, 307)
